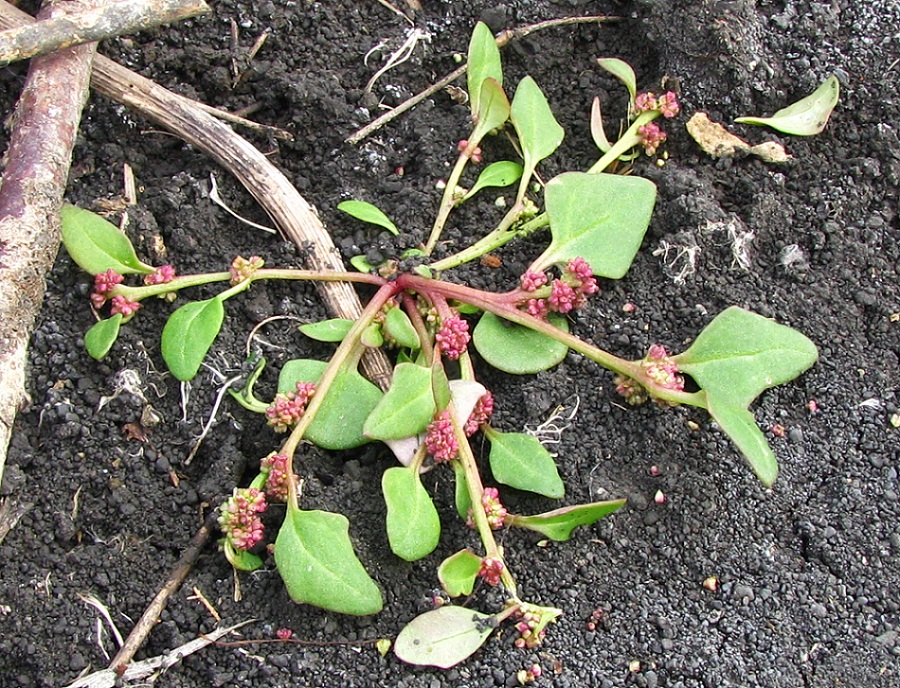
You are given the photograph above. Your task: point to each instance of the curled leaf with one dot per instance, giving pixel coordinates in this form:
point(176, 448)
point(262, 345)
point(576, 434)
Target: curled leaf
point(807, 116)
point(622, 71)
point(597, 132)
point(559, 524)
point(458, 572)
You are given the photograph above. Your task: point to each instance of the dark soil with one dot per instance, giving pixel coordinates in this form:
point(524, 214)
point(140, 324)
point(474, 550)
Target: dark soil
point(808, 572)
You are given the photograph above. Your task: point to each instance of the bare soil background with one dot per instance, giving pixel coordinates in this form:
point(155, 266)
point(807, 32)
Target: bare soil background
point(809, 571)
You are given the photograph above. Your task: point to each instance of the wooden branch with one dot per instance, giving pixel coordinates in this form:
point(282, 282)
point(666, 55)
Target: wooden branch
point(31, 192)
point(86, 24)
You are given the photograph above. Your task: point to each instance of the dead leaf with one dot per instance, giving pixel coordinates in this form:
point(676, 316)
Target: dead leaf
point(717, 141)
point(134, 431)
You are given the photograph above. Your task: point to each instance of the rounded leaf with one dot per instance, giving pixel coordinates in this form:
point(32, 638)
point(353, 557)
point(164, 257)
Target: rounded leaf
point(443, 637)
point(413, 525)
point(516, 349)
point(188, 335)
point(99, 339)
point(407, 408)
point(97, 245)
point(332, 330)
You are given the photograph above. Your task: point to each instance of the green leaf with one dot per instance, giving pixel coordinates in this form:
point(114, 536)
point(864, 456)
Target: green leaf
point(599, 217)
point(740, 354)
point(559, 524)
point(522, 462)
point(440, 385)
point(539, 132)
point(316, 560)
point(361, 264)
point(806, 117)
point(103, 334)
point(371, 336)
point(622, 71)
point(443, 637)
point(241, 559)
point(483, 63)
point(413, 525)
point(350, 399)
point(502, 173)
point(740, 425)
point(188, 335)
point(400, 328)
point(406, 409)
point(493, 109)
point(368, 213)
point(458, 572)
point(516, 349)
point(97, 245)
point(332, 330)
point(462, 498)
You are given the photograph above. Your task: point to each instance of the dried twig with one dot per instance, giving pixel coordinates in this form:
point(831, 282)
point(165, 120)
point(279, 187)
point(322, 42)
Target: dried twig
point(151, 614)
point(38, 158)
point(502, 39)
point(87, 24)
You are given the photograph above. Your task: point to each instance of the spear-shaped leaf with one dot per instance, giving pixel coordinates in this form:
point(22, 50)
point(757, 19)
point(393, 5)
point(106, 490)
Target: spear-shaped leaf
point(559, 524)
point(807, 116)
point(368, 213)
point(188, 335)
point(483, 63)
point(413, 525)
point(443, 637)
point(740, 354)
point(740, 425)
point(316, 560)
point(521, 461)
point(502, 173)
point(538, 131)
point(407, 408)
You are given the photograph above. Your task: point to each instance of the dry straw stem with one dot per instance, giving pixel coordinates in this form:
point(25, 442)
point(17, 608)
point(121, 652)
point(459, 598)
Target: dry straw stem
point(37, 165)
point(83, 23)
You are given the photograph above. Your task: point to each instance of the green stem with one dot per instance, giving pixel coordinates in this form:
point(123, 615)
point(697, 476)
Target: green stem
point(447, 201)
point(626, 142)
point(138, 293)
point(476, 490)
point(503, 234)
point(349, 349)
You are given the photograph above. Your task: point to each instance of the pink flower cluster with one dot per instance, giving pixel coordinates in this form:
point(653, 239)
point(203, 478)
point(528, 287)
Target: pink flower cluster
point(660, 368)
point(666, 104)
point(162, 275)
point(566, 294)
point(473, 153)
point(440, 440)
point(277, 484)
point(243, 268)
point(104, 283)
point(481, 414)
point(239, 517)
point(122, 305)
point(453, 337)
point(530, 627)
point(286, 409)
point(651, 137)
point(493, 509)
point(490, 571)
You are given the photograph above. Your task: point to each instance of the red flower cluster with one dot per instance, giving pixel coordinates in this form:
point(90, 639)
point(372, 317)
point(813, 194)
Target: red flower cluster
point(660, 368)
point(104, 283)
point(243, 268)
point(239, 517)
point(566, 294)
point(277, 484)
point(162, 275)
point(287, 409)
point(490, 570)
point(453, 337)
point(493, 509)
point(440, 438)
point(481, 414)
point(666, 104)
